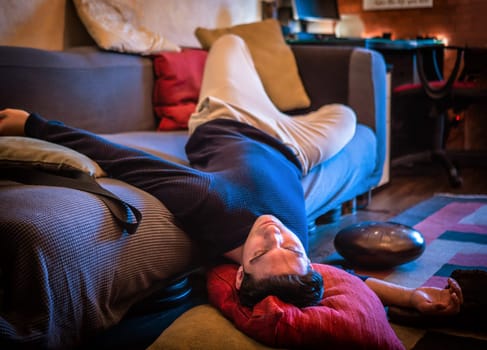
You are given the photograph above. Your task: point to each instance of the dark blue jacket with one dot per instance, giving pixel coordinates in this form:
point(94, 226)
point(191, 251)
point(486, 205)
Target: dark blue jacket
point(237, 173)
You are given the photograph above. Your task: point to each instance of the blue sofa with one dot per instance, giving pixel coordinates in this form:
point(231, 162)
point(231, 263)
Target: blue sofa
point(68, 275)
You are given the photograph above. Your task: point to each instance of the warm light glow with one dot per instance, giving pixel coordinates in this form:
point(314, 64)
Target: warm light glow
point(373, 34)
point(442, 38)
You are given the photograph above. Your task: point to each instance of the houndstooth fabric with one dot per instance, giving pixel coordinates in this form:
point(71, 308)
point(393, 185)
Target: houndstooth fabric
point(68, 270)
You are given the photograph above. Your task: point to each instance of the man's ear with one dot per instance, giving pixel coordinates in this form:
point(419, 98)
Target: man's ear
point(239, 277)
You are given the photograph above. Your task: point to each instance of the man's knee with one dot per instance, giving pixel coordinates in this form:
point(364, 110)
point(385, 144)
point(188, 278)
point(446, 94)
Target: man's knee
point(230, 40)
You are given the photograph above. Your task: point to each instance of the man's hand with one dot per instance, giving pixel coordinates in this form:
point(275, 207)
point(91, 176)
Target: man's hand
point(435, 301)
point(12, 122)
point(427, 300)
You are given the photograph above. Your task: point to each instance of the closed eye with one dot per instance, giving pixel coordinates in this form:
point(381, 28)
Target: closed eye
point(262, 253)
point(295, 251)
point(258, 255)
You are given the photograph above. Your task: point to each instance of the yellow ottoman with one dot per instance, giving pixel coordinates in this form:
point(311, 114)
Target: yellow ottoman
point(204, 328)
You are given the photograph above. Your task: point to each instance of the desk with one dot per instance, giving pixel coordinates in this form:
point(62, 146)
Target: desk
point(401, 54)
point(398, 54)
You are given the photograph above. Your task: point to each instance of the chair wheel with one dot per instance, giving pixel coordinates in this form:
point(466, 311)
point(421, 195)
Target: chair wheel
point(456, 181)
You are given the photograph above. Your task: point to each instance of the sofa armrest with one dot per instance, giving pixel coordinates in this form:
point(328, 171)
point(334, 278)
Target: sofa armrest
point(368, 96)
point(367, 88)
point(353, 76)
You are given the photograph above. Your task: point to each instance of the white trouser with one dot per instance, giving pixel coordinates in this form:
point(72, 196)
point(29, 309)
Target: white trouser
point(232, 89)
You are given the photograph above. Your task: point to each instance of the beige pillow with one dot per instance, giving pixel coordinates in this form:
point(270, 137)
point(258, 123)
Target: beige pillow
point(43, 154)
point(273, 59)
point(114, 25)
point(201, 328)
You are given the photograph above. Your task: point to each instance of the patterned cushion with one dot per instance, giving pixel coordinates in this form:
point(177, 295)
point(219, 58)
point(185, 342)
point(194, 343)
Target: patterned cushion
point(86, 272)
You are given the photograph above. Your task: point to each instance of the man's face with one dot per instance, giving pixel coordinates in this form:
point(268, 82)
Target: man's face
point(272, 249)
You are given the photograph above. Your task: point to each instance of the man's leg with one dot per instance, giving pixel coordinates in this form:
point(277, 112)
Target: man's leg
point(232, 89)
point(230, 76)
point(321, 134)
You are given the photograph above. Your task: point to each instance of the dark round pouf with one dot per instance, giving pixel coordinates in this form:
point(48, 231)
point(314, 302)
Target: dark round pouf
point(379, 245)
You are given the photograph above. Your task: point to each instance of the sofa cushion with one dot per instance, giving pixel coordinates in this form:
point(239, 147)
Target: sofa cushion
point(115, 26)
point(86, 273)
point(349, 316)
point(167, 145)
point(272, 57)
point(177, 86)
point(47, 155)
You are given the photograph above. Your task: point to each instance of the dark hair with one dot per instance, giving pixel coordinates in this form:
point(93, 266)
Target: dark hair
point(299, 290)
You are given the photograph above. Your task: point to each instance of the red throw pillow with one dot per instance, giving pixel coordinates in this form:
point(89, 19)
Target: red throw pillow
point(177, 86)
point(350, 315)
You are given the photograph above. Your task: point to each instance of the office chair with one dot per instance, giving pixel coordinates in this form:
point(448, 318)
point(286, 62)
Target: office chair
point(429, 102)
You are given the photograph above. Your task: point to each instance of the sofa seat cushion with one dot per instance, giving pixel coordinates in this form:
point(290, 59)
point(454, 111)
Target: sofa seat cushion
point(343, 176)
point(167, 145)
point(86, 272)
point(350, 315)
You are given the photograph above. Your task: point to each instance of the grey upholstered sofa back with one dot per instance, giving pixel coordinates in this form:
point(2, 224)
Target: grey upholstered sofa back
point(344, 74)
point(324, 81)
point(107, 92)
point(100, 91)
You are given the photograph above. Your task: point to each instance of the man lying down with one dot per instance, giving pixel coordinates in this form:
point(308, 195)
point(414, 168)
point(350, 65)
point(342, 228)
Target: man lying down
point(242, 197)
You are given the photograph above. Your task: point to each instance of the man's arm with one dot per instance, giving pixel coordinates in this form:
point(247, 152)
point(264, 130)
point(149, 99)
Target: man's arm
point(427, 300)
point(12, 122)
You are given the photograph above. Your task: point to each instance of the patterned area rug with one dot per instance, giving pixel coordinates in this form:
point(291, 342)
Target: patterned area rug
point(455, 230)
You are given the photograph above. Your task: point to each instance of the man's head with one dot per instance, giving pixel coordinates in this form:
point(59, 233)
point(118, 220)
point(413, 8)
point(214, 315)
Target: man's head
point(274, 262)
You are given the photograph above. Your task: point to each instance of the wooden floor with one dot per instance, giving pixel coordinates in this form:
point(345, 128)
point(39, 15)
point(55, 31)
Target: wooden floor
point(407, 187)
point(411, 185)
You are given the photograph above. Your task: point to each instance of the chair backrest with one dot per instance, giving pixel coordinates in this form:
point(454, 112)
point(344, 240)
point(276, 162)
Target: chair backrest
point(474, 66)
point(439, 91)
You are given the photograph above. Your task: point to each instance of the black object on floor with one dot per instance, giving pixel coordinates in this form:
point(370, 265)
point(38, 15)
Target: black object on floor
point(379, 245)
point(148, 319)
point(442, 341)
point(472, 313)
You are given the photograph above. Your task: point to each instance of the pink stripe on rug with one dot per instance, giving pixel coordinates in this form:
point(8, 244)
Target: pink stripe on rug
point(469, 259)
point(463, 261)
point(437, 281)
point(448, 218)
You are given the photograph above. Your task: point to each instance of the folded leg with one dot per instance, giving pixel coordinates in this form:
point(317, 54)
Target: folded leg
point(232, 89)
